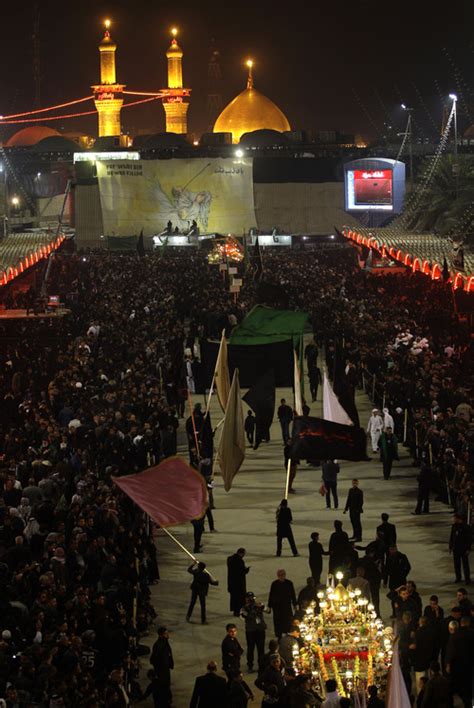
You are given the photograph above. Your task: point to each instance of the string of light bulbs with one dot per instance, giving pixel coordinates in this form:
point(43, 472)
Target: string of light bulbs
point(45, 110)
point(154, 97)
point(156, 94)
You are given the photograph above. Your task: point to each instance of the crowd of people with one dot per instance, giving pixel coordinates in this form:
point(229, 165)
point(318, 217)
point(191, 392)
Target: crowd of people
point(101, 393)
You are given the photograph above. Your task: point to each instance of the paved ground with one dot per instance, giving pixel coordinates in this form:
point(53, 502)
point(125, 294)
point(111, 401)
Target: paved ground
point(246, 517)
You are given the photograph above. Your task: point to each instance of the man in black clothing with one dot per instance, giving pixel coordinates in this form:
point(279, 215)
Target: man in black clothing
point(198, 528)
point(255, 626)
point(315, 379)
point(460, 661)
point(397, 569)
point(311, 354)
point(282, 602)
point(374, 701)
point(250, 428)
point(237, 580)
point(437, 693)
point(373, 573)
point(199, 589)
point(316, 553)
point(284, 519)
point(162, 661)
point(239, 691)
point(307, 595)
point(210, 690)
point(330, 469)
point(272, 676)
point(460, 545)
point(433, 612)
point(355, 506)
point(285, 416)
point(395, 573)
point(231, 651)
point(454, 616)
point(424, 486)
point(387, 533)
point(338, 548)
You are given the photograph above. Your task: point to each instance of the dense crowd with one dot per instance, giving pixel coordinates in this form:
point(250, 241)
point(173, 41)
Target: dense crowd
point(101, 392)
point(406, 332)
point(84, 398)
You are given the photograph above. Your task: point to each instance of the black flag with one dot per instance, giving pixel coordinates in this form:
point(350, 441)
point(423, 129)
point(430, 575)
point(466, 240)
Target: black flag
point(319, 439)
point(261, 399)
point(141, 245)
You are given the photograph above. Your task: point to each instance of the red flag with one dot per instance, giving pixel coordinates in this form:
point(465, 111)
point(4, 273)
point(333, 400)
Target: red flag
point(170, 493)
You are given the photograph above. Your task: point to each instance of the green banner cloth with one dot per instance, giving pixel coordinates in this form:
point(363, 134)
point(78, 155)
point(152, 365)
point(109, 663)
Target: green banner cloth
point(122, 243)
point(263, 325)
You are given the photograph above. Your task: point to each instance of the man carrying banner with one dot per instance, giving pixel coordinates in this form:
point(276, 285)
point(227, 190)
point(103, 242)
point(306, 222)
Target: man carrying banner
point(284, 519)
point(199, 589)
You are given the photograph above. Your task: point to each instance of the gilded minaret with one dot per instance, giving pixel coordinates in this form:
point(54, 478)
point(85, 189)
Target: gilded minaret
point(176, 98)
point(108, 97)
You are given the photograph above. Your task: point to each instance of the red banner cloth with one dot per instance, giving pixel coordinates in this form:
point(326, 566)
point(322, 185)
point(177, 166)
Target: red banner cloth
point(170, 493)
point(341, 655)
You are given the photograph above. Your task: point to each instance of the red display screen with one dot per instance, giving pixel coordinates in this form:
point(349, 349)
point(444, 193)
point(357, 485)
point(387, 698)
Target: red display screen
point(372, 187)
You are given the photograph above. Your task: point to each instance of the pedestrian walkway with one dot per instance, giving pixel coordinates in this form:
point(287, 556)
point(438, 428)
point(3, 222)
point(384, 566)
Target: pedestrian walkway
point(246, 517)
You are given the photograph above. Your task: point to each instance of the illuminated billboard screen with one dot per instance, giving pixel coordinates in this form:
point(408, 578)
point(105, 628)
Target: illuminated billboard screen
point(370, 189)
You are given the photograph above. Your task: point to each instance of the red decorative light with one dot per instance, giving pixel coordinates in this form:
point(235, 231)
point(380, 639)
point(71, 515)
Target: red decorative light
point(436, 272)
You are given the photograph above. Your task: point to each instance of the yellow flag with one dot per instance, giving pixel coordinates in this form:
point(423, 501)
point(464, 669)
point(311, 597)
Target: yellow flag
point(231, 450)
point(297, 385)
point(221, 374)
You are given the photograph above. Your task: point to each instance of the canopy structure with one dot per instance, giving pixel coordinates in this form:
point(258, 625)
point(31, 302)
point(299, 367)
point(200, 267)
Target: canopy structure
point(264, 325)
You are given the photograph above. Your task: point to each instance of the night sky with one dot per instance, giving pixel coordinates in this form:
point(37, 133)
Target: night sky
point(309, 58)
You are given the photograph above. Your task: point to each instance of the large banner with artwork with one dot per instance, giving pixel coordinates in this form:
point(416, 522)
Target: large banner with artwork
point(147, 194)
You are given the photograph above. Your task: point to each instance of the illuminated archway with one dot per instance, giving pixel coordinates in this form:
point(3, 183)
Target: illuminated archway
point(416, 265)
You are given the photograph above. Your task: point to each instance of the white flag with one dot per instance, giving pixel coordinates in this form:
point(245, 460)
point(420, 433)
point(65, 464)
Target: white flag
point(332, 409)
point(397, 690)
point(297, 384)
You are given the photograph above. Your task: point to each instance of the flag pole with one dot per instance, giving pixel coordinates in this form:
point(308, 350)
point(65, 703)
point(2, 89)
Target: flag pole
point(211, 390)
point(287, 487)
point(196, 438)
point(183, 548)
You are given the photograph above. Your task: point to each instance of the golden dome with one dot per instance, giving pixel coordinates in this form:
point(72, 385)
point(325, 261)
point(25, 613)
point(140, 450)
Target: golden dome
point(26, 137)
point(107, 44)
point(174, 50)
point(250, 111)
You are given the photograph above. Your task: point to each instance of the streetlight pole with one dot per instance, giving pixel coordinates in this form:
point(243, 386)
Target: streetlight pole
point(454, 99)
point(409, 134)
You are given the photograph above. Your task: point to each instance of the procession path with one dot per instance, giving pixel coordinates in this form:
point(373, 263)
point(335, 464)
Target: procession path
point(246, 517)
